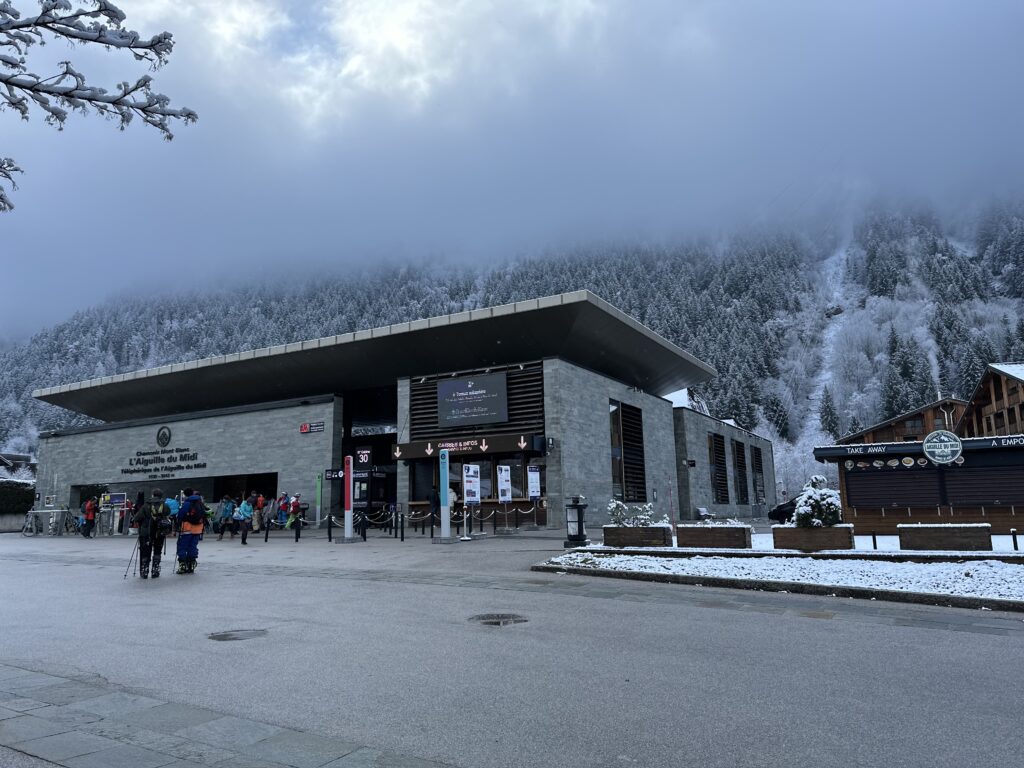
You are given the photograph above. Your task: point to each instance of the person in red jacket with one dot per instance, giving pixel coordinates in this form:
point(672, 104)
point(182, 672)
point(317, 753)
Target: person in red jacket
point(90, 517)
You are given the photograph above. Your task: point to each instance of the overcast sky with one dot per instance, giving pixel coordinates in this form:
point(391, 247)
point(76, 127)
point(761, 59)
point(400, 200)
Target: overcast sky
point(341, 131)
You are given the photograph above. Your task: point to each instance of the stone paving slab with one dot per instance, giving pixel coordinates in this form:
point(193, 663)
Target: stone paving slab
point(64, 745)
point(229, 732)
point(67, 692)
point(20, 703)
point(27, 727)
point(121, 756)
point(76, 724)
point(169, 718)
point(372, 758)
point(28, 681)
point(299, 750)
point(116, 704)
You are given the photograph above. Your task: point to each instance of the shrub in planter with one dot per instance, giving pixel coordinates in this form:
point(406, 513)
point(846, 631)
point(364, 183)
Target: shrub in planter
point(635, 527)
point(817, 521)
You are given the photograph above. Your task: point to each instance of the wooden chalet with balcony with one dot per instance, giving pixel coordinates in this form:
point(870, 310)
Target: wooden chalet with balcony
point(912, 425)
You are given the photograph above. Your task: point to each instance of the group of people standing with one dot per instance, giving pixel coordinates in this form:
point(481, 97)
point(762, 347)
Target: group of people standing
point(161, 517)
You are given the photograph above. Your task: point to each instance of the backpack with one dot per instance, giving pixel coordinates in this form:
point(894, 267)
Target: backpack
point(194, 514)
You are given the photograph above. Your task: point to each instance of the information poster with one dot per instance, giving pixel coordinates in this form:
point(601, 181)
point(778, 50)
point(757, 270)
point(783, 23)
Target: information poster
point(504, 484)
point(471, 483)
point(533, 481)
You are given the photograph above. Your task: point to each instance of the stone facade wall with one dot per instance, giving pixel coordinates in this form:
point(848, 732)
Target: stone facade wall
point(576, 415)
point(691, 442)
point(250, 442)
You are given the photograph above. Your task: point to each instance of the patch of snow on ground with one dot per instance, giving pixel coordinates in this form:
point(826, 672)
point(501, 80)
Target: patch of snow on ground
point(983, 578)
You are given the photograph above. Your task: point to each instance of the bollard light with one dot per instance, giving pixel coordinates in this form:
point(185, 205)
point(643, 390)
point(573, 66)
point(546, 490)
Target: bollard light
point(575, 526)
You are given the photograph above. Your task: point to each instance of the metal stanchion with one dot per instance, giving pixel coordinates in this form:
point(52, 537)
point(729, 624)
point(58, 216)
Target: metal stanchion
point(266, 532)
point(330, 526)
point(517, 518)
point(874, 540)
point(298, 527)
point(1013, 533)
point(401, 526)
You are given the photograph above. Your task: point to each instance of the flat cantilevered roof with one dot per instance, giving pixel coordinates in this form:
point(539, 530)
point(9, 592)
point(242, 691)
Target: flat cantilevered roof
point(578, 327)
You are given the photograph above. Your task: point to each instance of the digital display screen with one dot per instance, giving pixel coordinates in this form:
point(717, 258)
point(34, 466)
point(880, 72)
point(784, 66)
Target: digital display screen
point(472, 400)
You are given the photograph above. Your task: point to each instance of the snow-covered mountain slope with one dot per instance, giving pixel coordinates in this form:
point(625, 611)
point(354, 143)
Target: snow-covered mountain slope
point(884, 318)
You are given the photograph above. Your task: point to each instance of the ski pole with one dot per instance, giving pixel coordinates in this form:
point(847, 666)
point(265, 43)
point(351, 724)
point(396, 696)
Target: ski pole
point(131, 559)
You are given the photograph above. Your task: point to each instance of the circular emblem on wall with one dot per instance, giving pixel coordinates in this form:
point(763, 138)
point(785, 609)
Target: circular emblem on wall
point(942, 447)
point(163, 437)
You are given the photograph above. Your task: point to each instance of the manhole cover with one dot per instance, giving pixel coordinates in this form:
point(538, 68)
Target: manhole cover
point(237, 634)
point(498, 619)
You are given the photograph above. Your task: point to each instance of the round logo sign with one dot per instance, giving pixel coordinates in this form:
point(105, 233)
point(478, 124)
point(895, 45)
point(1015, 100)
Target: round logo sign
point(942, 447)
point(163, 437)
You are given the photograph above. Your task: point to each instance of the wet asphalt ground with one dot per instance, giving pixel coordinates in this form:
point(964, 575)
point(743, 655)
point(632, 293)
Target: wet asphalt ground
point(368, 655)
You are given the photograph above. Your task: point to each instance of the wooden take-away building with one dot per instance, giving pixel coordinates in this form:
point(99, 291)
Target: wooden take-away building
point(885, 478)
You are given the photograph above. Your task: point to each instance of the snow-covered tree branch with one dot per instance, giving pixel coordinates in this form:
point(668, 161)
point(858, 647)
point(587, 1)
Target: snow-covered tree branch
point(94, 21)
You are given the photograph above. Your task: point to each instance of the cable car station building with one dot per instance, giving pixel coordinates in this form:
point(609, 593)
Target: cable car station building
point(566, 389)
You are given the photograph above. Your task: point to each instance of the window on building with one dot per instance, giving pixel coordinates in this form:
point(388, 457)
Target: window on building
point(940, 421)
point(1000, 420)
point(758, 466)
point(739, 472)
point(1011, 417)
point(915, 425)
point(997, 387)
point(988, 425)
point(716, 460)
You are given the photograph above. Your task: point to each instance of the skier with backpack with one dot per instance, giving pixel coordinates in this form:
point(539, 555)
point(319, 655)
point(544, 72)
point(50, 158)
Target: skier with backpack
point(154, 521)
point(191, 520)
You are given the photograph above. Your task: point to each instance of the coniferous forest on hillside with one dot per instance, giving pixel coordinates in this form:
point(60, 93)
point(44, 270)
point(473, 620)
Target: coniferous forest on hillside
point(813, 337)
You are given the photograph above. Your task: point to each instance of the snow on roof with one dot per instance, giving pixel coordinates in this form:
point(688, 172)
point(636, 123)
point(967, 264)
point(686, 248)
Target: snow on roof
point(1013, 370)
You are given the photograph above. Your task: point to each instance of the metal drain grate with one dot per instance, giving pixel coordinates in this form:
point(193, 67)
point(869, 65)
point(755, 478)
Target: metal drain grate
point(498, 619)
point(237, 634)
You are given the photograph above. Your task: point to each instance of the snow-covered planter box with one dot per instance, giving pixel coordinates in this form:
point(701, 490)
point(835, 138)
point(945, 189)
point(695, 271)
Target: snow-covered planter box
point(813, 539)
point(635, 527)
point(817, 521)
point(736, 536)
point(949, 536)
point(646, 536)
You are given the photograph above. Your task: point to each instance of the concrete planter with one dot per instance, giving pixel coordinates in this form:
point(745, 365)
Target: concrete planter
point(731, 536)
point(813, 539)
point(650, 536)
point(960, 538)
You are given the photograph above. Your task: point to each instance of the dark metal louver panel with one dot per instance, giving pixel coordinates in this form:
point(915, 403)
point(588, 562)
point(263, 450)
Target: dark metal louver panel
point(719, 478)
point(739, 464)
point(633, 465)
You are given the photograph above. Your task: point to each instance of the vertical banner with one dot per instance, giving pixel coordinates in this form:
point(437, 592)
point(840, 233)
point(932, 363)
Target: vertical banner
point(349, 526)
point(446, 518)
point(504, 483)
point(533, 482)
point(471, 483)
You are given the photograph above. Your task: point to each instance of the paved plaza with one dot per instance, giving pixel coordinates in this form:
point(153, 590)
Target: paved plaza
point(365, 656)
